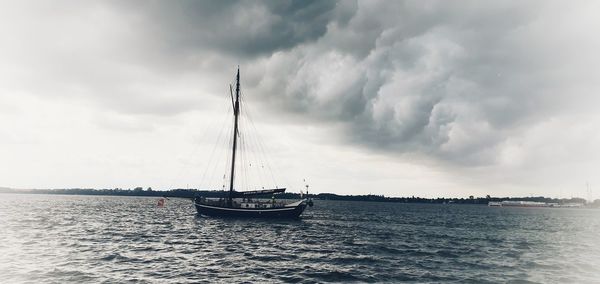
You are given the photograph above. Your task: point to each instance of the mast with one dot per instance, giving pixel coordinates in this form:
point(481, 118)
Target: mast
point(236, 113)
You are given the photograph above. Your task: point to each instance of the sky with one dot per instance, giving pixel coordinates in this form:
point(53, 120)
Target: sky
point(402, 98)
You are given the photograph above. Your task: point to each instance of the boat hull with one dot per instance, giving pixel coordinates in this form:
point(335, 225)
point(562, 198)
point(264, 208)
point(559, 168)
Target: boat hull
point(283, 212)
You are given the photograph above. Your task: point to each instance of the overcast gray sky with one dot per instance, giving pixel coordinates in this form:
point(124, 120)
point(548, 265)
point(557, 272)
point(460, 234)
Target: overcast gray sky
point(424, 98)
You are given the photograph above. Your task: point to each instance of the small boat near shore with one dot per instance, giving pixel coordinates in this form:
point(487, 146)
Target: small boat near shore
point(514, 203)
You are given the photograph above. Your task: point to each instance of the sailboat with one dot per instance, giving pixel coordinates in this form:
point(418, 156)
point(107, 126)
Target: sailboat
point(246, 203)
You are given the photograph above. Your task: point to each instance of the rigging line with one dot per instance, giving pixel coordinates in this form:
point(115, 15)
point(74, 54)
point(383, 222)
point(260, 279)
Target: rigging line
point(241, 169)
point(261, 145)
point(215, 180)
point(220, 153)
point(255, 170)
point(241, 156)
point(208, 128)
point(254, 152)
point(209, 164)
point(267, 160)
point(249, 183)
point(242, 164)
point(257, 153)
point(246, 155)
point(260, 169)
point(216, 177)
point(248, 160)
point(184, 169)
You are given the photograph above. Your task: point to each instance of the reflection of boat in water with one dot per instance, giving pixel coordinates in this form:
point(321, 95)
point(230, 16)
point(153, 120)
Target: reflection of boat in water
point(513, 203)
point(246, 203)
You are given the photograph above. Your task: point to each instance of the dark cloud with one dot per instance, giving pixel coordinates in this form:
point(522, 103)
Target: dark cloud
point(240, 28)
point(449, 81)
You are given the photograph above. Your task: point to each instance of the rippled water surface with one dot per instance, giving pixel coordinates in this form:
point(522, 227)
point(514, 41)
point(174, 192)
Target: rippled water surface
point(62, 239)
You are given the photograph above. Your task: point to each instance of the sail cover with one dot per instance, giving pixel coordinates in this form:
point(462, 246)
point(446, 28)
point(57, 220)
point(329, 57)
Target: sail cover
point(256, 192)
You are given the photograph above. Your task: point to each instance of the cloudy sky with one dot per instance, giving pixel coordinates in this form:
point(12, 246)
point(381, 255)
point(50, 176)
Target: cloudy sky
point(424, 98)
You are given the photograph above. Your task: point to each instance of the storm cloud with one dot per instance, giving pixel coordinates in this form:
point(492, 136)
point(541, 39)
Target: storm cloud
point(239, 28)
point(455, 83)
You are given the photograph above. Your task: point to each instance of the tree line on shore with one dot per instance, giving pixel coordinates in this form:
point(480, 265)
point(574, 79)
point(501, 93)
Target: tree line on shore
point(191, 193)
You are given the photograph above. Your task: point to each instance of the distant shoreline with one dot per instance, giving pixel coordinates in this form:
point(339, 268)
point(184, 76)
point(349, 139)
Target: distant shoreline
point(190, 193)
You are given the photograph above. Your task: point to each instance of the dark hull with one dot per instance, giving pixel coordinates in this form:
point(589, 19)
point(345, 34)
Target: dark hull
point(218, 211)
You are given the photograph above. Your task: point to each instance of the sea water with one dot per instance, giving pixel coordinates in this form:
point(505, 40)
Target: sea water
point(75, 239)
